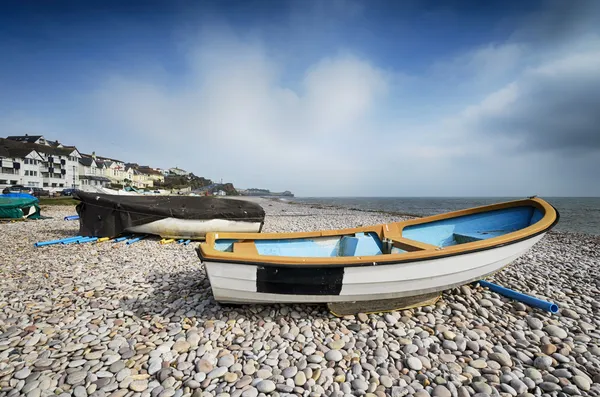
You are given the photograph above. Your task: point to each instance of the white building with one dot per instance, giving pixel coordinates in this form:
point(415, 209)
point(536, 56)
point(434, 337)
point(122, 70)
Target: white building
point(90, 174)
point(37, 139)
point(20, 166)
point(113, 169)
point(39, 163)
point(178, 171)
point(59, 167)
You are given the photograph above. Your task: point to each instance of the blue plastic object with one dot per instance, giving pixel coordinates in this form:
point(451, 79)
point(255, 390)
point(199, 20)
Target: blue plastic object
point(121, 239)
point(71, 217)
point(87, 240)
point(527, 299)
point(180, 241)
point(19, 195)
point(72, 239)
point(134, 240)
point(52, 242)
point(187, 242)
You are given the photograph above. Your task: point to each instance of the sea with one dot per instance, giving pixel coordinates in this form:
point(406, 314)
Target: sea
point(577, 214)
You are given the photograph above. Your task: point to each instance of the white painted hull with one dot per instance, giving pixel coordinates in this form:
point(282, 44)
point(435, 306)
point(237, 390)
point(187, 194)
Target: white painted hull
point(105, 190)
point(237, 283)
point(193, 228)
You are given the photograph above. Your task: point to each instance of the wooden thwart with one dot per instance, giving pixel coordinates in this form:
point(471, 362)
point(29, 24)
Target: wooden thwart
point(340, 309)
point(411, 245)
point(245, 247)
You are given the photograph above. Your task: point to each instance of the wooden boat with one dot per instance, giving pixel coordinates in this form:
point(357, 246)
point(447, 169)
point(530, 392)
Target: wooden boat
point(180, 217)
point(413, 258)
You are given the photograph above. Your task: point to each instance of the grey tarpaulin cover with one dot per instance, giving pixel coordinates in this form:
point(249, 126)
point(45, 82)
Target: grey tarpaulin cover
point(107, 215)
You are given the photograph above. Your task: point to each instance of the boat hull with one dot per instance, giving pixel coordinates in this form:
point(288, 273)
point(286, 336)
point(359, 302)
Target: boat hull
point(102, 215)
point(245, 283)
point(193, 228)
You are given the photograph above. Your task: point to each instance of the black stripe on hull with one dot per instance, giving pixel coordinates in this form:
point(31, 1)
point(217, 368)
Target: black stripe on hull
point(299, 281)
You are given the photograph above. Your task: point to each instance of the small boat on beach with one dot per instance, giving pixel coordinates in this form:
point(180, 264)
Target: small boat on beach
point(19, 206)
point(415, 258)
point(177, 217)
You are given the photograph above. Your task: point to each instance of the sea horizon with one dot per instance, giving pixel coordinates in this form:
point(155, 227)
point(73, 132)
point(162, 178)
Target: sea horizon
point(577, 214)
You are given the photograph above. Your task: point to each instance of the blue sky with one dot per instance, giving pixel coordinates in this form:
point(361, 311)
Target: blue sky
point(324, 98)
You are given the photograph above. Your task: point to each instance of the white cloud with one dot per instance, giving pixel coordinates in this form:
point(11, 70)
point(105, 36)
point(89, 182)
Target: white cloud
point(482, 67)
point(236, 119)
point(477, 123)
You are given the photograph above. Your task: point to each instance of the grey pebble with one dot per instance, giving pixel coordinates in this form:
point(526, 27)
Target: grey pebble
point(542, 362)
point(441, 391)
point(334, 355)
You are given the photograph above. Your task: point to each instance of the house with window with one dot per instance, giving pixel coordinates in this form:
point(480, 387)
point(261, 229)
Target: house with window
point(19, 166)
point(36, 163)
point(113, 169)
point(60, 167)
point(178, 171)
point(142, 180)
point(32, 160)
point(37, 139)
point(152, 174)
point(90, 174)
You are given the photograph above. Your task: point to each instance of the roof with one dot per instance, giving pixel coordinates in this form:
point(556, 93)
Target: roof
point(14, 149)
point(25, 138)
point(148, 171)
point(87, 161)
point(100, 158)
point(95, 178)
point(12, 143)
point(109, 159)
point(19, 152)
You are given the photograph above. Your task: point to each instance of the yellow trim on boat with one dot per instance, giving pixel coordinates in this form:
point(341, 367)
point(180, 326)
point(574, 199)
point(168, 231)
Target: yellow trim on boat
point(392, 231)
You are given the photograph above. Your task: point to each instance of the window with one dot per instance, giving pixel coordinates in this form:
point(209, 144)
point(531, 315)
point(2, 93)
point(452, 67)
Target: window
point(3, 182)
point(61, 185)
point(45, 184)
point(54, 185)
point(13, 182)
point(26, 173)
point(34, 173)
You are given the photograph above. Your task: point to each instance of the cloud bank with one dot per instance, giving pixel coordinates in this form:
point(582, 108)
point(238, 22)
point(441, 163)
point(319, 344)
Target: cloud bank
point(517, 116)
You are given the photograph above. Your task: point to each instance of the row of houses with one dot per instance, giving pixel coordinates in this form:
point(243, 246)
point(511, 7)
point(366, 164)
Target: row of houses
point(33, 161)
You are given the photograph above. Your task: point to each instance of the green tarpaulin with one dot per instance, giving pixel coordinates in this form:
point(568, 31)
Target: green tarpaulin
point(19, 207)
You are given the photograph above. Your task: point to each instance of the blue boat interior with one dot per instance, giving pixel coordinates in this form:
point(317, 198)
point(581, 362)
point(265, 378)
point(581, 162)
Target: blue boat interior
point(442, 233)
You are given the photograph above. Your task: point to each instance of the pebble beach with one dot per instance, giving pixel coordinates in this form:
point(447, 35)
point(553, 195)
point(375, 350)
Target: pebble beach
point(114, 320)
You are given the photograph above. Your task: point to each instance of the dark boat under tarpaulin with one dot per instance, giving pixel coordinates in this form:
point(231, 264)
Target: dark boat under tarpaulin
point(189, 217)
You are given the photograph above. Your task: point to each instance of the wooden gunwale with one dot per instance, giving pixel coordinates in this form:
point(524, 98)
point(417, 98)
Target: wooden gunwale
point(207, 252)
